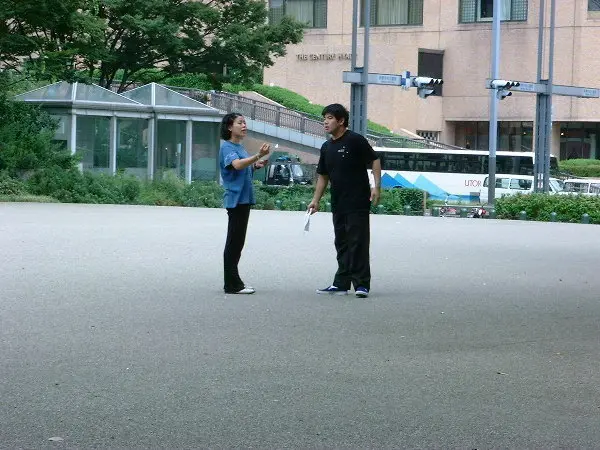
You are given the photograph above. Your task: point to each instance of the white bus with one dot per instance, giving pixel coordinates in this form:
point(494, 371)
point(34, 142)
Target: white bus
point(448, 174)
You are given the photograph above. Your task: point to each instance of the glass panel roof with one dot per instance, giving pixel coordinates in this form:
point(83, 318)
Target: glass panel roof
point(57, 91)
point(95, 93)
point(168, 97)
point(163, 96)
point(142, 94)
point(63, 91)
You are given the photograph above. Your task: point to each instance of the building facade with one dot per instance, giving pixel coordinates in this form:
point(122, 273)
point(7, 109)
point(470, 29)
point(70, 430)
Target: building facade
point(451, 39)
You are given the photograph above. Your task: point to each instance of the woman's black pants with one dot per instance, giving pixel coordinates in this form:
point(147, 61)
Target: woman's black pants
point(236, 237)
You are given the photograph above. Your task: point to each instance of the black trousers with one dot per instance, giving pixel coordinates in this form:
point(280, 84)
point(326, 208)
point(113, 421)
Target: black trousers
point(236, 237)
point(352, 238)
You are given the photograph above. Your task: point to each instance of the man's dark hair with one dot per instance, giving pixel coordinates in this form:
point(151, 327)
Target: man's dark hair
point(338, 111)
point(226, 123)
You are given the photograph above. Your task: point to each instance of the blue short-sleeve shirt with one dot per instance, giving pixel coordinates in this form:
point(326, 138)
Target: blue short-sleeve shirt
point(237, 183)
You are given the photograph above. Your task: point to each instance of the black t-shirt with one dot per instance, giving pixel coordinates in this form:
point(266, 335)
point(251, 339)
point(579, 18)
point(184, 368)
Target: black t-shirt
point(345, 161)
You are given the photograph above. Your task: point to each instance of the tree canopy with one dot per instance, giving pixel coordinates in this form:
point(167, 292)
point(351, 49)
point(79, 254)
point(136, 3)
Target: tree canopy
point(109, 40)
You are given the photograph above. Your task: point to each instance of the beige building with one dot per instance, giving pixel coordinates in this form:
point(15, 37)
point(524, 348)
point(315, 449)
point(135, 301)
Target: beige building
point(451, 39)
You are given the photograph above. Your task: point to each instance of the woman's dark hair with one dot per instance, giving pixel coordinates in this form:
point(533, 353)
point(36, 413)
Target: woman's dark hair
point(338, 111)
point(226, 123)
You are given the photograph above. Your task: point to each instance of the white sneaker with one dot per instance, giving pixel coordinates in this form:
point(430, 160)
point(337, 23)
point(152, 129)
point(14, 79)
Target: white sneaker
point(246, 290)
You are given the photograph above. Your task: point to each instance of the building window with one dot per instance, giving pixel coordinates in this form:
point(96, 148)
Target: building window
point(431, 64)
point(579, 140)
point(593, 5)
point(313, 13)
point(430, 135)
point(394, 12)
point(512, 136)
point(483, 10)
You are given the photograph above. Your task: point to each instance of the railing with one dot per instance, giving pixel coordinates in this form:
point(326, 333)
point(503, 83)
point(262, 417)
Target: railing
point(295, 120)
point(266, 112)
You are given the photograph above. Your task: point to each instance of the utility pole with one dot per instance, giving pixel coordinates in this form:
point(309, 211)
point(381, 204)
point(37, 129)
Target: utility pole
point(493, 130)
point(543, 106)
point(358, 87)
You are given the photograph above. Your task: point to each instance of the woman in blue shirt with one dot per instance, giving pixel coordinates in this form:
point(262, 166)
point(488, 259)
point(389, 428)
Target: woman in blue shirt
point(237, 168)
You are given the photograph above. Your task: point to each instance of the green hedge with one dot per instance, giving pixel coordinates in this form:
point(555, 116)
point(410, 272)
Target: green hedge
point(581, 167)
point(72, 186)
point(568, 208)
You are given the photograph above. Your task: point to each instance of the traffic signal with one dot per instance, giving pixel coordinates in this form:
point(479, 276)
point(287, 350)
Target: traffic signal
point(425, 85)
point(502, 87)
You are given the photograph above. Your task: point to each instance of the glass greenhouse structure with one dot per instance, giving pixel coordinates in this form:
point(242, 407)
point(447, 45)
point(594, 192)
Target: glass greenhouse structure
point(150, 132)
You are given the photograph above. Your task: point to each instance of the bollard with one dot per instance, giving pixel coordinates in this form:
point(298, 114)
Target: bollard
point(303, 206)
point(380, 209)
point(552, 217)
point(492, 213)
point(435, 211)
point(407, 210)
point(523, 215)
point(278, 204)
point(328, 207)
point(585, 218)
point(463, 213)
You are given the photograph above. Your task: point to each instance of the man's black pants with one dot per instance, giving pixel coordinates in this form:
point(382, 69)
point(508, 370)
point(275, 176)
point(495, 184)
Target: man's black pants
point(352, 238)
point(236, 237)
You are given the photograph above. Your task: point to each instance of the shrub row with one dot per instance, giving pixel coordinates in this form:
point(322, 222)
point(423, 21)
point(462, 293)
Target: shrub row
point(581, 167)
point(568, 208)
point(72, 186)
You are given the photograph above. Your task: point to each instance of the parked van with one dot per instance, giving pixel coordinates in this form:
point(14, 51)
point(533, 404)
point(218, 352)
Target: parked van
point(582, 186)
point(515, 184)
point(285, 171)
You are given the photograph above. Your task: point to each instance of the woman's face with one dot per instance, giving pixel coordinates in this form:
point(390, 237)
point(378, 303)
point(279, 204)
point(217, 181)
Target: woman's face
point(238, 127)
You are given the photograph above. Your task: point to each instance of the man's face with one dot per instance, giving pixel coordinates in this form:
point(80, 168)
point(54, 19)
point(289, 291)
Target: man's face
point(331, 124)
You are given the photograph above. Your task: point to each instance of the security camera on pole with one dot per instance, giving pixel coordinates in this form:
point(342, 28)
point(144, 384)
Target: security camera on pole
point(502, 87)
point(425, 85)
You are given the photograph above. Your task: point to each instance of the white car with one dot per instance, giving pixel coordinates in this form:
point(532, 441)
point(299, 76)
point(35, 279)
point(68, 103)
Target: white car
point(582, 186)
point(515, 184)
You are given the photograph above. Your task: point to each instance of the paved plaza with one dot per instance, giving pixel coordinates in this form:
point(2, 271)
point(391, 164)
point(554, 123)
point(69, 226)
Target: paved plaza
point(115, 333)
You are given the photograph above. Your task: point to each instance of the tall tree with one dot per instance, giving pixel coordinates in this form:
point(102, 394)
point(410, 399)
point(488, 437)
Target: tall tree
point(120, 39)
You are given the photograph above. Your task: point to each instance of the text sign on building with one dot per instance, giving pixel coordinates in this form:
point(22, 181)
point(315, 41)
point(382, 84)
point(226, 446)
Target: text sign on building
point(323, 56)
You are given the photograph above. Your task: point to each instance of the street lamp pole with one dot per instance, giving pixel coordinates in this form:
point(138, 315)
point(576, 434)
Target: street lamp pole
point(358, 90)
point(493, 131)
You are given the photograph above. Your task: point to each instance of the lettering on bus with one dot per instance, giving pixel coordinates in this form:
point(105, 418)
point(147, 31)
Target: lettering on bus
point(473, 183)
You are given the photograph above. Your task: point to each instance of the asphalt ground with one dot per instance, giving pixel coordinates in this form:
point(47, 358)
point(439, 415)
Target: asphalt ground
point(115, 333)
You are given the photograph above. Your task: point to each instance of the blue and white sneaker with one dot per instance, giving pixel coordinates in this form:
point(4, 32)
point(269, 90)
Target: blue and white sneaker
point(332, 290)
point(362, 292)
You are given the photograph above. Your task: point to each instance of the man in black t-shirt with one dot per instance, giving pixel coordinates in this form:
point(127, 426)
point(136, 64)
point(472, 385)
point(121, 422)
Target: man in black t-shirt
point(344, 161)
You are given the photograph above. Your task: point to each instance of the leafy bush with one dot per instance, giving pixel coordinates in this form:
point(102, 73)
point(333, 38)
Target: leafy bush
point(26, 134)
point(581, 167)
point(394, 200)
point(203, 194)
point(72, 186)
point(11, 186)
point(165, 192)
point(568, 208)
